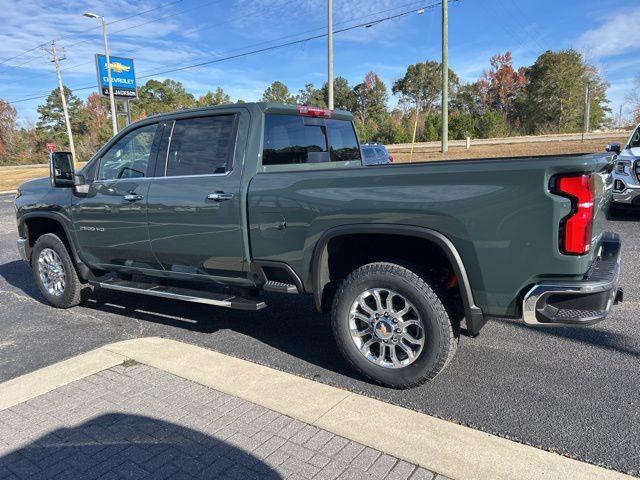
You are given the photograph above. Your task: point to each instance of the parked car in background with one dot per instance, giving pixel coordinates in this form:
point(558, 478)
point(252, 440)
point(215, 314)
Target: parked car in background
point(626, 173)
point(375, 154)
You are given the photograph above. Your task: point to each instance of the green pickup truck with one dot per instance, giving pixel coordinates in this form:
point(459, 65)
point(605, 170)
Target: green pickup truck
point(220, 205)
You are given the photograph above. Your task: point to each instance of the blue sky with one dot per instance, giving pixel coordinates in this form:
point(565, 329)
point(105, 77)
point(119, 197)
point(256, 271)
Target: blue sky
point(178, 33)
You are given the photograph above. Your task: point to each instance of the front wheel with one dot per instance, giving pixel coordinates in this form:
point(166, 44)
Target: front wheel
point(391, 325)
point(54, 273)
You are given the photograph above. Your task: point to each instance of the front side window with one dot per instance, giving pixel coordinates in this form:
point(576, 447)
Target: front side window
point(297, 139)
point(201, 146)
point(129, 157)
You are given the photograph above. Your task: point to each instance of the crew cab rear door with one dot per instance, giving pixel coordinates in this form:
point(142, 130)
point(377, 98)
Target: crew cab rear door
point(194, 202)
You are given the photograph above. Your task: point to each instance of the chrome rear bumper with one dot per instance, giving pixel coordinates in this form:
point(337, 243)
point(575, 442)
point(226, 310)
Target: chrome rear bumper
point(583, 302)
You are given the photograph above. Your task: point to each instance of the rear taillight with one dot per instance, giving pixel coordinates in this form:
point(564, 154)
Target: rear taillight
point(391, 158)
point(575, 228)
point(314, 111)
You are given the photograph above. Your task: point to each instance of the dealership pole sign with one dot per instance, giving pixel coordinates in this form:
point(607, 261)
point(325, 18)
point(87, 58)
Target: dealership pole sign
point(123, 77)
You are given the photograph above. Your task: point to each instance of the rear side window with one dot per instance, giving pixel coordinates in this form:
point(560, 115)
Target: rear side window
point(201, 146)
point(295, 139)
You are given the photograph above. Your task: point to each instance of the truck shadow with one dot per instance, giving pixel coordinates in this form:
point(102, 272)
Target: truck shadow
point(289, 324)
point(119, 445)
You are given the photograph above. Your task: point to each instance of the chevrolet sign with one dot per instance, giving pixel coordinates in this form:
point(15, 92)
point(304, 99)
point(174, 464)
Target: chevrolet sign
point(123, 76)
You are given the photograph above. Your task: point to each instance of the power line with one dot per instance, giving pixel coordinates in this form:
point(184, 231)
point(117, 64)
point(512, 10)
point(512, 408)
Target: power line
point(287, 44)
point(71, 35)
point(261, 50)
point(259, 10)
point(152, 20)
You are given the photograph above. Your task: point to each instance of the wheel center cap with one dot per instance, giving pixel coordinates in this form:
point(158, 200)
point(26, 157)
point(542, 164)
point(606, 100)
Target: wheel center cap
point(383, 329)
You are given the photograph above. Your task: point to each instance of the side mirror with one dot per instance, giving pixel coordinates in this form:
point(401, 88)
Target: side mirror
point(61, 169)
point(613, 147)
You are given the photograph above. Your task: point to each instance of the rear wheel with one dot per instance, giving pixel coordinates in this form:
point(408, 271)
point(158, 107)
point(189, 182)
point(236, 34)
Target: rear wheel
point(54, 273)
point(391, 325)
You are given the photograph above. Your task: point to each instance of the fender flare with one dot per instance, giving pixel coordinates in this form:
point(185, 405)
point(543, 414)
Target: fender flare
point(83, 270)
point(320, 273)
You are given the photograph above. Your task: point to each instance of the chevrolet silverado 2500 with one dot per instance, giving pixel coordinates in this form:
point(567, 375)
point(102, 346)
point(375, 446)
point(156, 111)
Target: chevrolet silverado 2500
point(219, 205)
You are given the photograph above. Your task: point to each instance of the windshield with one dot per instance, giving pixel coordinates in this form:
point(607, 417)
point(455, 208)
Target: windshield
point(634, 142)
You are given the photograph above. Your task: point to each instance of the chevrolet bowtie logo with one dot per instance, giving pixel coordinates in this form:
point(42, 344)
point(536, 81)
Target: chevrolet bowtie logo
point(117, 67)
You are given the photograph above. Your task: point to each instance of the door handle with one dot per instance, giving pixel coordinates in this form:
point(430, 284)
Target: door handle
point(133, 197)
point(220, 196)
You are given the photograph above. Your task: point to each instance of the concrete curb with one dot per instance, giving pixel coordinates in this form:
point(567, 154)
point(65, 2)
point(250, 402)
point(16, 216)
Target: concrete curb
point(450, 449)
point(8, 192)
point(41, 381)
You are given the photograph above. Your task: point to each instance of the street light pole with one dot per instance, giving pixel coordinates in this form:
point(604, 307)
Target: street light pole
point(114, 118)
point(330, 54)
point(445, 78)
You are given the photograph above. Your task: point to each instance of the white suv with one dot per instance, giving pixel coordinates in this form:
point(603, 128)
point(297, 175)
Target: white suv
point(626, 174)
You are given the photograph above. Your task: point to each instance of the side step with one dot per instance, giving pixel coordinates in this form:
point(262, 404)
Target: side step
point(186, 294)
point(280, 287)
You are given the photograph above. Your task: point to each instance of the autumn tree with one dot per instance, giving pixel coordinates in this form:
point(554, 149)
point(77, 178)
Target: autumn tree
point(278, 92)
point(501, 85)
point(98, 116)
point(371, 106)
point(7, 127)
point(217, 97)
point(371, 98)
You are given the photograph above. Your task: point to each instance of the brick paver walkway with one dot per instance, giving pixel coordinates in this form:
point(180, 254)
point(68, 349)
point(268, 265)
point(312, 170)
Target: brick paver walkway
point(138, 422)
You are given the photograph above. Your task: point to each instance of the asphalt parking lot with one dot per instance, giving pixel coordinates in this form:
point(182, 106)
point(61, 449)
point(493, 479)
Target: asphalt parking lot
point(574, 391)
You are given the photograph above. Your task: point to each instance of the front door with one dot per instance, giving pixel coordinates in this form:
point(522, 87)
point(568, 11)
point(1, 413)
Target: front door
point(194, 206)
point(111, 219)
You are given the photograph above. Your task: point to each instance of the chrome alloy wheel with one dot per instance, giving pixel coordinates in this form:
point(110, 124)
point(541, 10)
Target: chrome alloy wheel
point(386, 328)
point(51, 271)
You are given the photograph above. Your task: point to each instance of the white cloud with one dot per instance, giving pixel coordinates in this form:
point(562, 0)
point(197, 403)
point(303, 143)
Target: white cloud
point(618, 34)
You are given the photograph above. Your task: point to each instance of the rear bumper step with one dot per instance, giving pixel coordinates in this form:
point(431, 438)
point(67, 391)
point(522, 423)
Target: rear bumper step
point(185, 294)
point(578, 303)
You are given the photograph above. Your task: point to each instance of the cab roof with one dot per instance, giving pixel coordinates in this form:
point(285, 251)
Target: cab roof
point(265, 107)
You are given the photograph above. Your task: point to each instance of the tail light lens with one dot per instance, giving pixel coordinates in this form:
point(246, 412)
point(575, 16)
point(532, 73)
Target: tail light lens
point(575, 228)
point(391, 158)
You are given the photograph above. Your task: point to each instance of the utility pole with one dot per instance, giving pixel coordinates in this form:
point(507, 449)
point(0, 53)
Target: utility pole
point(620, 117)
point(330, 54)
point(585, 121)
point(56, 61)
point(445, 77)
point(114, 119)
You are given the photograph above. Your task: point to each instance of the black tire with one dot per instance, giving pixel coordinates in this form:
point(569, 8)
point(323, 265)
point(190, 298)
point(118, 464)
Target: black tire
point(75, 291)
point(440, 339)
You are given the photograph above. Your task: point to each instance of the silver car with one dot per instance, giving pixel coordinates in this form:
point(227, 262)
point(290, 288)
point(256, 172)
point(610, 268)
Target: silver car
point(375, 154)
point(626, 173)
